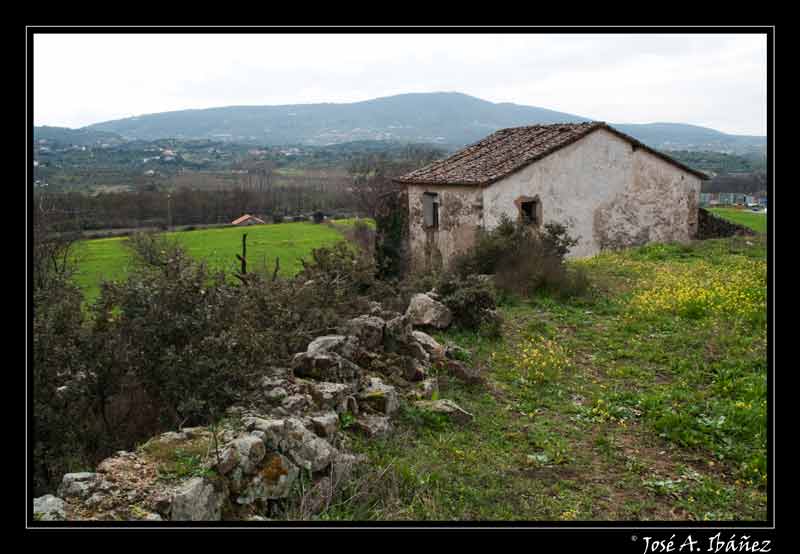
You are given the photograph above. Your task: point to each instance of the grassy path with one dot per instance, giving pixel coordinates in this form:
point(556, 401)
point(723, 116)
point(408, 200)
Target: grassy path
point(644, 401)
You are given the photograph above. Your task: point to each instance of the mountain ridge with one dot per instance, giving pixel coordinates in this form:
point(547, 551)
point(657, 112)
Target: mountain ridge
point(446, 118)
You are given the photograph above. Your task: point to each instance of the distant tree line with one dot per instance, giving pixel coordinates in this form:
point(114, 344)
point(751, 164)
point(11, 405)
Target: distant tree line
point(187, 206)
point(744, 183)
point(720, 162)
point(256, 192)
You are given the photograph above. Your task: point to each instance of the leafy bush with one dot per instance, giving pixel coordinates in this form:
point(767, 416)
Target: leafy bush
point(523, 259)
point(472, 300)
point(172, 345)
point(61, 408)
point(340, 266)
point(62, 411)
point(186, 341)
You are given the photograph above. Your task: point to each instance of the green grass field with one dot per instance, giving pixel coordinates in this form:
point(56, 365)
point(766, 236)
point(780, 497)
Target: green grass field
point(755, 220)
point(645, 400)
point(109, 259)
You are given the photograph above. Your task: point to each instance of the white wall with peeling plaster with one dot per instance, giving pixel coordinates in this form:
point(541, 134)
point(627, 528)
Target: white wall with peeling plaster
point(460, 217)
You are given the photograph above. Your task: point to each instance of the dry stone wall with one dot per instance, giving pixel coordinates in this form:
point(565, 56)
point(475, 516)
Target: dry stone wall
point(245, 467)
point(710, 226)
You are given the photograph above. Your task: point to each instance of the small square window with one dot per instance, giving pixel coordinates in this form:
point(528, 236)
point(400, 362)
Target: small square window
point(529, 211)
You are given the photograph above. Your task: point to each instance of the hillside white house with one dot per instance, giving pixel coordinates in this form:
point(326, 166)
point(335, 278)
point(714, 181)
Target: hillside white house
point(609, 190)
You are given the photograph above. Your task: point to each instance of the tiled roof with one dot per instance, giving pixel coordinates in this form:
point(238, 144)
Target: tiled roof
point(245, 217)
point(509, 150)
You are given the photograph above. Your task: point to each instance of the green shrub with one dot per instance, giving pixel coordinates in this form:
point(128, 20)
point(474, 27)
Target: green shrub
point(523, 259)
point(64, 431)
point(172, 345)
point(472, 301)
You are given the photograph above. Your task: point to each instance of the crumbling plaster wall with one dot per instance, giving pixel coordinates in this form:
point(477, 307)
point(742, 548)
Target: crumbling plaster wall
point(608, 194)
point(460, 216)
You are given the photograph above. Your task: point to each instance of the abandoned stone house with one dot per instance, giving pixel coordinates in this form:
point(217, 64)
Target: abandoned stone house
point(607, 188)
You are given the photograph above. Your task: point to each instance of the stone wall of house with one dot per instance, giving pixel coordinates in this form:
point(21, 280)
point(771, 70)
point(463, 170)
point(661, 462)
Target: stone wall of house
point(460, 216)
point(606, 192)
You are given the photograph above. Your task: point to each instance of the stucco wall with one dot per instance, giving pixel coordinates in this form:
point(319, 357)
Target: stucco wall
point(606, 193)
point(660, 205)
point(460, 215)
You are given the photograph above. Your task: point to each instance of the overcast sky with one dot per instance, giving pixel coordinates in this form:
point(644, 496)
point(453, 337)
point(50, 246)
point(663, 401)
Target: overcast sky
point(716, 81)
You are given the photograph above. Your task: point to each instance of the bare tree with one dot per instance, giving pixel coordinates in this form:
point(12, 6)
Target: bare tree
point(53, 242)
point(372, 176)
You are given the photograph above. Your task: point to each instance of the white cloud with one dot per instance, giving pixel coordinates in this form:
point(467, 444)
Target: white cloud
point(713, 80)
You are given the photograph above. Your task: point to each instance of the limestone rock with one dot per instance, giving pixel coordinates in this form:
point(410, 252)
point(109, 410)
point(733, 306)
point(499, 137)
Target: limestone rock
point(272, 430)
point(397, 334)
point(345, 346)
point(274, 480)
point(330, 396)
point(434, 349)
point(368, 329)
point(379, 396)
point(296, 403)
point(325, 366)
point(373, 425)
point(447, 408)
point(417, 351)
point(77, 484)
point(172, 436)
point(304, 447)
point(49, 508)
point(199, 499)
point(161, 503)
point(425, 311)
point(325, 425)
point(276, 395)
point(245, 453)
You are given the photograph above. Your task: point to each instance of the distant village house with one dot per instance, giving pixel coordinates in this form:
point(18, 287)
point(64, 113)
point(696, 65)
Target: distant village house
point(247, 219)
point(607, 188)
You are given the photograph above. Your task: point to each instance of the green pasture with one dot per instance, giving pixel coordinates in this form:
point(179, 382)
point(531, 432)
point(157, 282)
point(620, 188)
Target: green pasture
point(109, 258)
point(755, 220)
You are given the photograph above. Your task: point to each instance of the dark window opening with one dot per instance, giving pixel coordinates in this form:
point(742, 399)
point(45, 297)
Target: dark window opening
point(430, 204)
point(530, 212)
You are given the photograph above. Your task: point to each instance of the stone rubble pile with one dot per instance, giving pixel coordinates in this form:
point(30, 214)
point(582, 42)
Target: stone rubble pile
point(288, 427)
